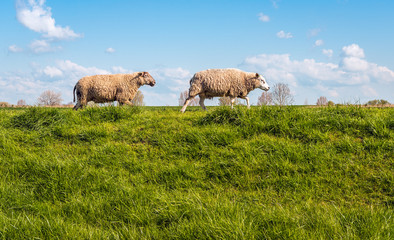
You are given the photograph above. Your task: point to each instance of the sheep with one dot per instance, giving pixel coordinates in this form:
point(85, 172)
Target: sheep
point(107, 88)
point(222, 83)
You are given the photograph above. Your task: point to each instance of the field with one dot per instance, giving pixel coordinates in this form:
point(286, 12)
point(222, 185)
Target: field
point(154, 173)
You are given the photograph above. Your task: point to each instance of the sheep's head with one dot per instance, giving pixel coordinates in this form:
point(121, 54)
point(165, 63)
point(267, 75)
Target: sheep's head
point(146, 79)
point(262, 83)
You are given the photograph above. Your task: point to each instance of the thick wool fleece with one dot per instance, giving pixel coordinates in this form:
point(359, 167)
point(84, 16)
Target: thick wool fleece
point(107, 88)
point(223, 82)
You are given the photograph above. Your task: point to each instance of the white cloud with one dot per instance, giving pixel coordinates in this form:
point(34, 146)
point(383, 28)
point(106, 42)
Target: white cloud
point(15, 49)
point(119, 69)
point(63, 75)
point(177, 79)
point(43, 46)
point(281, 75)
point(354, 64)
point(314, 32)
point(60, 77)
point(319, 78)
point(353, 50)
point(263, 18)
point(275, 3)
point(175, 73)
point(319, 43)
point(384, 74)
point(369, 91)
point(77, 71)
point(329, 91)
point(350, 70)
point(152, 98)
point(21, 86)
point(333, 93)
point(279, 67)
point(52, 71)
point(37, 17)
point(169, 83)
point(110, 50)
point(328, 52)
point(282, 34)
point(353, 61)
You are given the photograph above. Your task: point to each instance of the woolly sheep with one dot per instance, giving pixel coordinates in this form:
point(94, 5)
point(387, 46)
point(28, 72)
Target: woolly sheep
point(222, 83)
point(107, 88)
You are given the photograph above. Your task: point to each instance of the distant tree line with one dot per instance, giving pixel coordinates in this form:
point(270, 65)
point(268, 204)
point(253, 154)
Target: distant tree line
point(280, 95)
point(377, 102)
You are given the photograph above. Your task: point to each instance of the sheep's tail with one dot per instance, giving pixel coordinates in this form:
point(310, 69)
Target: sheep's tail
point(74, 92)
point(192, 79)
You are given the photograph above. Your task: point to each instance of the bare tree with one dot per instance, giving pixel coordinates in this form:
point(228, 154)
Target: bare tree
point(282, 95)
point(322, 101)
point(49, 98)
point(184, 95)
point(21, 102)
point(138, 99)
point(265, 99)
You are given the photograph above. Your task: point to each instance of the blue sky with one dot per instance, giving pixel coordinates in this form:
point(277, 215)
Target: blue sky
point(341, 49)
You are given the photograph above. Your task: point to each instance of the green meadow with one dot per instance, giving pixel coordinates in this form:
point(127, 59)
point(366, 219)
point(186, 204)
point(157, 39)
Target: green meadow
point(155, 173)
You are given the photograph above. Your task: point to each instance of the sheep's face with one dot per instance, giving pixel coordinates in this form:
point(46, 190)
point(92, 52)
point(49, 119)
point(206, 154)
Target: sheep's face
point(146, 79)
point(263, 83)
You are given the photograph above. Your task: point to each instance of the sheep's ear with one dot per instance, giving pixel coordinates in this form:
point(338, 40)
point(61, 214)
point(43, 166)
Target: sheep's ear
point(257, 75)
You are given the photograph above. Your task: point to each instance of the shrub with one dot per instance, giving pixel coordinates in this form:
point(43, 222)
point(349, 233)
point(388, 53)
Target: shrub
point(4, 104)
point(376, 102)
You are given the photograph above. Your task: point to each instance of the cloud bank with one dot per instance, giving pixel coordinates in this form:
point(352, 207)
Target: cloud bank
point(352, 69)
point(353, 72)
point(63, 74)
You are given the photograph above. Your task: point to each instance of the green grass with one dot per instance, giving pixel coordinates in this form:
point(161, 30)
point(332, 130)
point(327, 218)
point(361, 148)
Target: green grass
point(154, 173)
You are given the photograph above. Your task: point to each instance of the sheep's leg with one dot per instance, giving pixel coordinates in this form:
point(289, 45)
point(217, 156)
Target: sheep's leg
point(81, 100)
point(186, 103)
point(232, 99)
point(78, 105)
point(202, 103)
point(247, 101)
point(126, 102)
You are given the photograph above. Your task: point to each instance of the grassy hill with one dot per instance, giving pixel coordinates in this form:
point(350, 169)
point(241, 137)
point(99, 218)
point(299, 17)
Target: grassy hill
point(154, 173)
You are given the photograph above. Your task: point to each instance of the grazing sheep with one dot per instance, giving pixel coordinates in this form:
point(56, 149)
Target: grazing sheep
point(107, 88)
point(222, 83)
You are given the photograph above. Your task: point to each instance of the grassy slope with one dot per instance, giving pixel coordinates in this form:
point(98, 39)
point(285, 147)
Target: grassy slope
point(288, 173)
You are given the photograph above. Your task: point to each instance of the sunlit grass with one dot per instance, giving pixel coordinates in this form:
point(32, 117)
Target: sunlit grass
point(153, 173)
